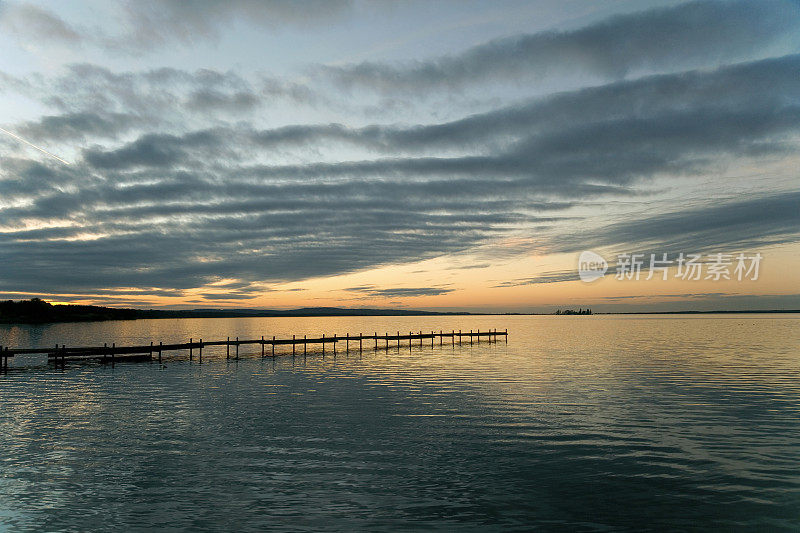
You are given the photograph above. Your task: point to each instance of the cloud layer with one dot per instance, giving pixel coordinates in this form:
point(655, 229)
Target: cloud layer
point(691, 34)
point(177, 181)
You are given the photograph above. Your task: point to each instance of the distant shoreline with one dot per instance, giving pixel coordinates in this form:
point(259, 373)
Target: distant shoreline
point(40, 312)
point(718, 312)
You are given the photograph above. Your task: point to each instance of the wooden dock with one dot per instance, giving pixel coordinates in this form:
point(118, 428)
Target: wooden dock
point(110, 353)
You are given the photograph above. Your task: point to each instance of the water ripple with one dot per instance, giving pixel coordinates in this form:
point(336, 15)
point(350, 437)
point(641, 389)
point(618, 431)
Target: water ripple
point(578, 423)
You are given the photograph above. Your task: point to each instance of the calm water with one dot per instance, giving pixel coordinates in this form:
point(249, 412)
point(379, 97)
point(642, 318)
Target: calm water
point(577, 424)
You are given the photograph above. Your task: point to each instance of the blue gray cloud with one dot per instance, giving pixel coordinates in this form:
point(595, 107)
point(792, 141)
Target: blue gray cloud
point(176, 184)
point(148, 24)
point(687, 35)
point(721, 227)
point(399, 292)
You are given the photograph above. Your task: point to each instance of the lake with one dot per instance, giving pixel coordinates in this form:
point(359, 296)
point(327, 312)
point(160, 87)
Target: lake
point(577, 423)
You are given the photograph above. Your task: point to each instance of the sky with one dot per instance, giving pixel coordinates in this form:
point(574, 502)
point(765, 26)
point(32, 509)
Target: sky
point(449, 155)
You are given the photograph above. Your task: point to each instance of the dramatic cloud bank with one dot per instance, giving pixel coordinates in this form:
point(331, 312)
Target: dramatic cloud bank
point(182, 179)
point(692, 34)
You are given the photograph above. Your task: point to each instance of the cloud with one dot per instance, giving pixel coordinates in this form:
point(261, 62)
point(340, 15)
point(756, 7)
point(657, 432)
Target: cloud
point(720, 227)
point(150, 24)
point(767, 85)
point(175, 202)
point(546, 277)
point(155, 22)
point(210, 99)
point(604, 133)
point(107, 235)
point(228, 296)
point(156, 150)
point(174, 99)
point(727, 227)
point(470, 267)
point(34, 23)
point(79, 126)
point(152, 93)
point(568, 162)
point(400, 292)
point(688, 35)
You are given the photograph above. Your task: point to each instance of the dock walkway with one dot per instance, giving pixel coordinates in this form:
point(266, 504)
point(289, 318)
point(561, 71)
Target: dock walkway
point(60, 353)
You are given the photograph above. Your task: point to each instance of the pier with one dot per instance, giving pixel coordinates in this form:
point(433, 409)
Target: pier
point(299, 345)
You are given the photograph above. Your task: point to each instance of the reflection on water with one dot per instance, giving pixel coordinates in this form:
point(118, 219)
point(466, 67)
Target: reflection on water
point(578, 423)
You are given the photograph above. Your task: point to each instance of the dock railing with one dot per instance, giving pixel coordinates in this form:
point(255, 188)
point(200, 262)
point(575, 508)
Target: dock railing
point(152, 350)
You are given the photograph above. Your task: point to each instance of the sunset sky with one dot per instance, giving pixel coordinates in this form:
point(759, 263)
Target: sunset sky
point(453, 155)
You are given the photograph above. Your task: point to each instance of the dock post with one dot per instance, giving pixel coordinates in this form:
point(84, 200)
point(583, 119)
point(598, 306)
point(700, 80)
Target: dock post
point(323, 345)
point(151, 350)
point(191, 340)
point(262, 346)
point(470, 337)
point(506, 335)
point(376, 340)
point(292, 345)
point(479, 336)
point(360, 339)
point(228, 348)
point(433, 336)
point(440, 338)
point(334, 344)
point(160, 343)
point(113, 349)
point(386, 340)
point(305, 345)
point(347, 342)
point(273, 346)
point(410, 341)
point(237, 348)
point(453, 338)
point(200, 351)
point(420, 339)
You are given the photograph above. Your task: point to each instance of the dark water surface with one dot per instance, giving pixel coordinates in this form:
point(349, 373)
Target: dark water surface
point(600, 423)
